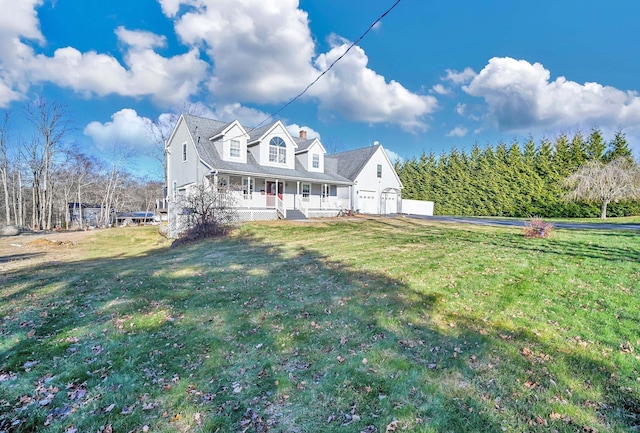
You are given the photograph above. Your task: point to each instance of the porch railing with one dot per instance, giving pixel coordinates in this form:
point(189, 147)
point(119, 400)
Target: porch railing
point(302, 207)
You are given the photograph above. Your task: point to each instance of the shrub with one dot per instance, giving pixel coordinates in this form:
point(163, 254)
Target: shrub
point(536, 227)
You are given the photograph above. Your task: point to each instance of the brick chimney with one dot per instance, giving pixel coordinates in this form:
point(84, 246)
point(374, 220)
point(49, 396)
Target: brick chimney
point(303, 134)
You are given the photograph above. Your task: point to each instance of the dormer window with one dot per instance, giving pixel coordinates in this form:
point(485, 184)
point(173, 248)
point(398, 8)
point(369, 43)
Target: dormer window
point(234, 149)
point(277, 150)
point(315, 162)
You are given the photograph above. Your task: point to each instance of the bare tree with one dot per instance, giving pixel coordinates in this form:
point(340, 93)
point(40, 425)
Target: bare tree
point(4, 165)
point(52, 126)
point(205, 212)
point(601, 183)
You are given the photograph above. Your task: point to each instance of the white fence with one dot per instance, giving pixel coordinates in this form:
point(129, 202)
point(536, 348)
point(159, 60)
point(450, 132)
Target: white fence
point(417, 207)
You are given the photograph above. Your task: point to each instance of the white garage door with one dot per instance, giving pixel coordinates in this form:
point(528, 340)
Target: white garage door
point(390, 202)
point(367, 202)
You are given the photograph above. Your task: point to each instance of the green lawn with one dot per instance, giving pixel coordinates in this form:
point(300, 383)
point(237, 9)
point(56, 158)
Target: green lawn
point(358, 325)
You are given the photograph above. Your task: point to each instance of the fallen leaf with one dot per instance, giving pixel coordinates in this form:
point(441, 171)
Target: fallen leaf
point(176, 417)
point(341, 359)
point(392, 426)
point(109, 408)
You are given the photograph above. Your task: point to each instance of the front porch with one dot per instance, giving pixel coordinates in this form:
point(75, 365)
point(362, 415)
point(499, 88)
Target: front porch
point(264, 199)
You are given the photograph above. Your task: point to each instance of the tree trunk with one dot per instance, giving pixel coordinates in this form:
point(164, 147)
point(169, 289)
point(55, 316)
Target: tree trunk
point(7, 209)
point(603, 209)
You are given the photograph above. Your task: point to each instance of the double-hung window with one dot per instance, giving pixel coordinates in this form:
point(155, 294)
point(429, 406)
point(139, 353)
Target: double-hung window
point(315, 161)
point(234, 149)
point(379, 170)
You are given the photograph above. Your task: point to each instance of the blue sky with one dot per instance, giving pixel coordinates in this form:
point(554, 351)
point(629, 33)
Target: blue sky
point(430, 76)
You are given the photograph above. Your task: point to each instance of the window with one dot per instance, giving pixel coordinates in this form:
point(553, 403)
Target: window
point(223, 183)
point(379, 170)
point(306, 191)
point(184, 152)
point(315, 161)
point(234, 150)
point(325, 192)
point(277, 150)
point(248, 186)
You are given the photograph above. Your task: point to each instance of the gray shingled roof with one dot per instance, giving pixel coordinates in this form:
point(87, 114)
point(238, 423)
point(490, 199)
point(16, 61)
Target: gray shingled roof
point(350, 163)
point(303, 144)
point(202, 129)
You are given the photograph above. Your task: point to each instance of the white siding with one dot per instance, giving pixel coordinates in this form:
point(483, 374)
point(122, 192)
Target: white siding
point(234, 133)
point(179, 171)
point(368, 181)
point(278, 131)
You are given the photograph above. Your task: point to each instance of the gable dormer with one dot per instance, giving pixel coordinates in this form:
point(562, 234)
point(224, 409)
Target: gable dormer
point(274, 147)
point(231, 143)
point(310, 153)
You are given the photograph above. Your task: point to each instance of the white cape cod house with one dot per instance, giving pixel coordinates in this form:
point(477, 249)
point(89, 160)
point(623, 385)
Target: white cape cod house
point(275, 175)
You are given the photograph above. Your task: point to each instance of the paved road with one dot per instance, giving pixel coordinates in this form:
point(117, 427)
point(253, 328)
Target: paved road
point(521, 223)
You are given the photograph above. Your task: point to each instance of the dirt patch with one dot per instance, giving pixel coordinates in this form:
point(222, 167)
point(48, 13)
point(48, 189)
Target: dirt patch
point(37, 248)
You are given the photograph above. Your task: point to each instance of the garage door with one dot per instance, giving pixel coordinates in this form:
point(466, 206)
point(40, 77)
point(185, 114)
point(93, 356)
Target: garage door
point(367, 202)
point(390, 202)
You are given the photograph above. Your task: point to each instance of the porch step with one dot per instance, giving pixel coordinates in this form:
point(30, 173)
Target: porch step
point(294, 214)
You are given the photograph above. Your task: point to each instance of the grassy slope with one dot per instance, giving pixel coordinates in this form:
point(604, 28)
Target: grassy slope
point(340, 326)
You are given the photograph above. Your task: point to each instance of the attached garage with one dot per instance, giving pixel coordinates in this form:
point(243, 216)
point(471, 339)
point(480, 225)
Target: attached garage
point(367, 202)
point(389, 201)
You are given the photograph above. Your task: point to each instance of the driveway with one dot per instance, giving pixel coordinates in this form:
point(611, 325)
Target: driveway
point(521, 223)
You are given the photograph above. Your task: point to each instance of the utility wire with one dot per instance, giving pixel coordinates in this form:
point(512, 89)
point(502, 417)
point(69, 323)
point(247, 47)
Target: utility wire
point(353, 44)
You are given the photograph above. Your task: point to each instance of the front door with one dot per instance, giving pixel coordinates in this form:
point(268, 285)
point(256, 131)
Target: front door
point(271, 188)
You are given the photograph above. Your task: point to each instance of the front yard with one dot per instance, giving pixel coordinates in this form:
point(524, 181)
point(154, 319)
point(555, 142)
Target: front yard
point(359, 325)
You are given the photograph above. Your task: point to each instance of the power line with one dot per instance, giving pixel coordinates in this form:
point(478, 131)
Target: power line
point(353, 44)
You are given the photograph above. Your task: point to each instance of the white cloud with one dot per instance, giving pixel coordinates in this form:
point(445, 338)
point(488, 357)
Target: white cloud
point(144, 72)
point(126, 128)
point(458, 131)
point(248, 117)
point(295, 129)
point(473, 111)
point(521, 96)
point(19, 18)
point(140, 39)
point(273, 37)
point(261, 50)
point(440, 89)
point(359, 93)
point(393, 157)
point(460, 77)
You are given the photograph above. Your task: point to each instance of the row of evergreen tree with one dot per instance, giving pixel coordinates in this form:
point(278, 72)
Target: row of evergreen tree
point(512, 180)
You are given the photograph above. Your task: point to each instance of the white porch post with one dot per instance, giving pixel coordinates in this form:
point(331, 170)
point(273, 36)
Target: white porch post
point(249, 195)
point(297, 194)
point(325, 195)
